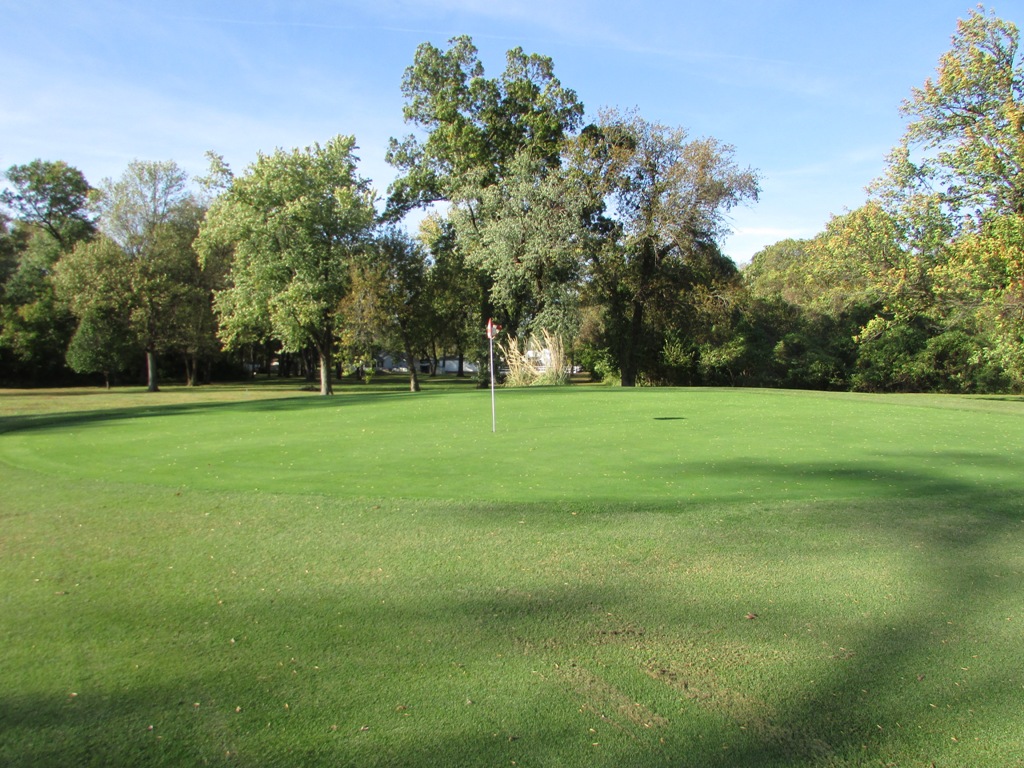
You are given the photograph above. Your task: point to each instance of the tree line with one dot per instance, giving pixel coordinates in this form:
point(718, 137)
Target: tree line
point(601, 234)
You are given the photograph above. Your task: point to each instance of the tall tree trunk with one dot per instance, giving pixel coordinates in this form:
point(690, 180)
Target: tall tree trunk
point(309, 358)
point(325, 347)
point(634, 352)
point(413, 363)
point(630, 359)
point(432, 358)
point(151, 373)
point(191, 369)
point(326, 371)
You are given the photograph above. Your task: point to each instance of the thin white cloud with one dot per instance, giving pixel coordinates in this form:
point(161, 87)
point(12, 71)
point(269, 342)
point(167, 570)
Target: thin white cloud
point(646, 31)
point(842, 161)
point(746, 241)
point(773, 233)
point(116, 123)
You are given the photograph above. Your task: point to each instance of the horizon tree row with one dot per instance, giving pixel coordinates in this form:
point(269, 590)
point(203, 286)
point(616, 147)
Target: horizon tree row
point(602, 234)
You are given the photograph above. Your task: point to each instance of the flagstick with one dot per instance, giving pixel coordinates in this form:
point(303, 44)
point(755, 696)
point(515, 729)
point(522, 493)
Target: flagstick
point(494, 423)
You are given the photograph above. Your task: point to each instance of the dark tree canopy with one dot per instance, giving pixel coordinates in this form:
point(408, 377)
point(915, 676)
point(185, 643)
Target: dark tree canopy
point(52, 195)
point(670, 198)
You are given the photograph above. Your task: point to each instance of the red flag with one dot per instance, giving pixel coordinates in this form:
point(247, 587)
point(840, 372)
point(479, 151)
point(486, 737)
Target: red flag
point(492, 329)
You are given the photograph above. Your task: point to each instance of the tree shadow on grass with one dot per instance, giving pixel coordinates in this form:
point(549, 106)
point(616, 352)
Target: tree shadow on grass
point(902, 676)
point(544, 671)
point(917, 669)
point(673, 693)
point(85, 418)
point(937, 473)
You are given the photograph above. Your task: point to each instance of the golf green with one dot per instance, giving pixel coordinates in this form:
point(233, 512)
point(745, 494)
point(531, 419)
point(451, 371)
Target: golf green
point(656, 446)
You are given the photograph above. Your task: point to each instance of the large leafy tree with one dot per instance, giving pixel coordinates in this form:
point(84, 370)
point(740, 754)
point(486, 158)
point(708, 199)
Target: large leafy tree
point(474, 126)
point(980, 289)
point(53, 196)
point(144, 299)
point(480, 141)
point(296, 220)
point(965, 141)
point(859, 262)
point(387, 304)
point(48, 202)
point(778, 272)
point(133, 207)
point(35, 325)
point(152, 217)
point(955, 185)
point(452, 284)
point(527, 233)
point(670, 197)
point(95, 281)
point(187, 326)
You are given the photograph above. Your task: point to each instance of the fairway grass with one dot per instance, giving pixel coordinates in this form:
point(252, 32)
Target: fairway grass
point(688, 577)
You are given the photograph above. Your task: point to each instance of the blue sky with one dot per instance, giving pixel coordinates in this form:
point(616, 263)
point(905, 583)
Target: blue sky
point(807, 91)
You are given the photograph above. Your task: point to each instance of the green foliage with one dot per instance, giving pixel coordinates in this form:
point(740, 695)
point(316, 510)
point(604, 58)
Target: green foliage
point(926, 275)
point(859, 262)
point(52, 196)
point(670, 197)
point(143, 271)
point(12, 242)
point(493, 147)
point(889, 357)
point(49, 201)
point(981, 288)
point(385, 307)
point(526, 232)
point(954, 192)
point(95, 281)
point(606, 236)
point(297, 221)
point(454, 291)
point(35, 324)
point(779, 271)
point(146, 196)
point(598, 362)
point(142, 276)
point(925, 319)
point(965, 144)
point(475, 125)
point(530, 200)
point(102, 343)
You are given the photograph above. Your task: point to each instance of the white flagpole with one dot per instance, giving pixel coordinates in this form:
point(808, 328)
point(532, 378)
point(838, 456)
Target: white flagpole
point(490, 339)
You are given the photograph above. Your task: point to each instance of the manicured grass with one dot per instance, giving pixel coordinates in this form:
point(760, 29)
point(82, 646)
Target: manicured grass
point(259, 576)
